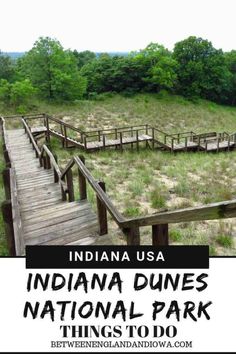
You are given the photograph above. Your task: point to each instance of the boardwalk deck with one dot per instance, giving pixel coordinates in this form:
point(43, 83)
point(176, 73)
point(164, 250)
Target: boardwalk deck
point(94, 145)
point(223, 145)
point(46, 219)
point(38, 130)
point(189, 146)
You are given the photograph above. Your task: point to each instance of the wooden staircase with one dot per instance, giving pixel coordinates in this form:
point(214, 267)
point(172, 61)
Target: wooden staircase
point(46, 218)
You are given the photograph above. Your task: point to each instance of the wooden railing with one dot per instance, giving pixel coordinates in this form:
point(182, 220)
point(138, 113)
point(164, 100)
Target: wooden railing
point(59, 128)
point(10, 207)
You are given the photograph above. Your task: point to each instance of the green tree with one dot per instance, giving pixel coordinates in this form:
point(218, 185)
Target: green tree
point(52, 70)
point(159, 68)
point(202, 70)
point(6, 67)
point(230, 59)
point(151, 69)
point(5, 91)
point(99, 74)
point(84, 57)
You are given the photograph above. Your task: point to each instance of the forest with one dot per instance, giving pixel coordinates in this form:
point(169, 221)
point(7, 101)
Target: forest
point(194, 69)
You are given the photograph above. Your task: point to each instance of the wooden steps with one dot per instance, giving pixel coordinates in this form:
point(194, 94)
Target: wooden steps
point(46, 219)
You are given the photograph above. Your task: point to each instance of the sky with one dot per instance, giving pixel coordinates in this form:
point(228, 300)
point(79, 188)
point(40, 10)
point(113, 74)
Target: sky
point(115, 25)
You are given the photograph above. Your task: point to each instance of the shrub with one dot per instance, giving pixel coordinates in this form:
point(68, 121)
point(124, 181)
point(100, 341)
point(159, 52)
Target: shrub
point(21, 93)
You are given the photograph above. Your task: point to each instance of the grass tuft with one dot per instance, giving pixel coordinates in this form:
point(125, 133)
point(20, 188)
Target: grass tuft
point(176, 235)
point(225, 241)
point(158, 198)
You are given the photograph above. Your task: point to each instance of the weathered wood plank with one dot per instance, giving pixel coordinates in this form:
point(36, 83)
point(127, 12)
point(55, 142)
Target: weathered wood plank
point(56, 218)
point(57, 231)
point(51, 209)
point(38, 204)
point(73, 236)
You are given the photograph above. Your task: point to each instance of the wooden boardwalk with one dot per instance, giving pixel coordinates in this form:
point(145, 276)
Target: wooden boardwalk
point(134, 136)
point(47, 219)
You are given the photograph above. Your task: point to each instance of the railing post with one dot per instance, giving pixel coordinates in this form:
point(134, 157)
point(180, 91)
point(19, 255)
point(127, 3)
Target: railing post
point(82, 182)
point(48, 162)
point(85, 142)
point(104, 141)
point(116, 137)
point(44, 159)
point(56, 178)
point(8, 224)
point(63, 194)
point(218, 144)
point(65, 134)
point(133, 235)
point(147, 144)
point(132, 135)
point(121, 141)
point(228, 143)
point(48, 132)
point(132, 131)
point(137, 140)
point(172, 144)
point(186, 144)
point(160, 235)
point(198, 142)
point(153, 137)
point(62, 133)
point(6, 182)
point(70, 185)
point(102, 213)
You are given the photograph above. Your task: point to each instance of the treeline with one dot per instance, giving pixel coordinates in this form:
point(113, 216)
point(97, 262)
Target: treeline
point(194, 69)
